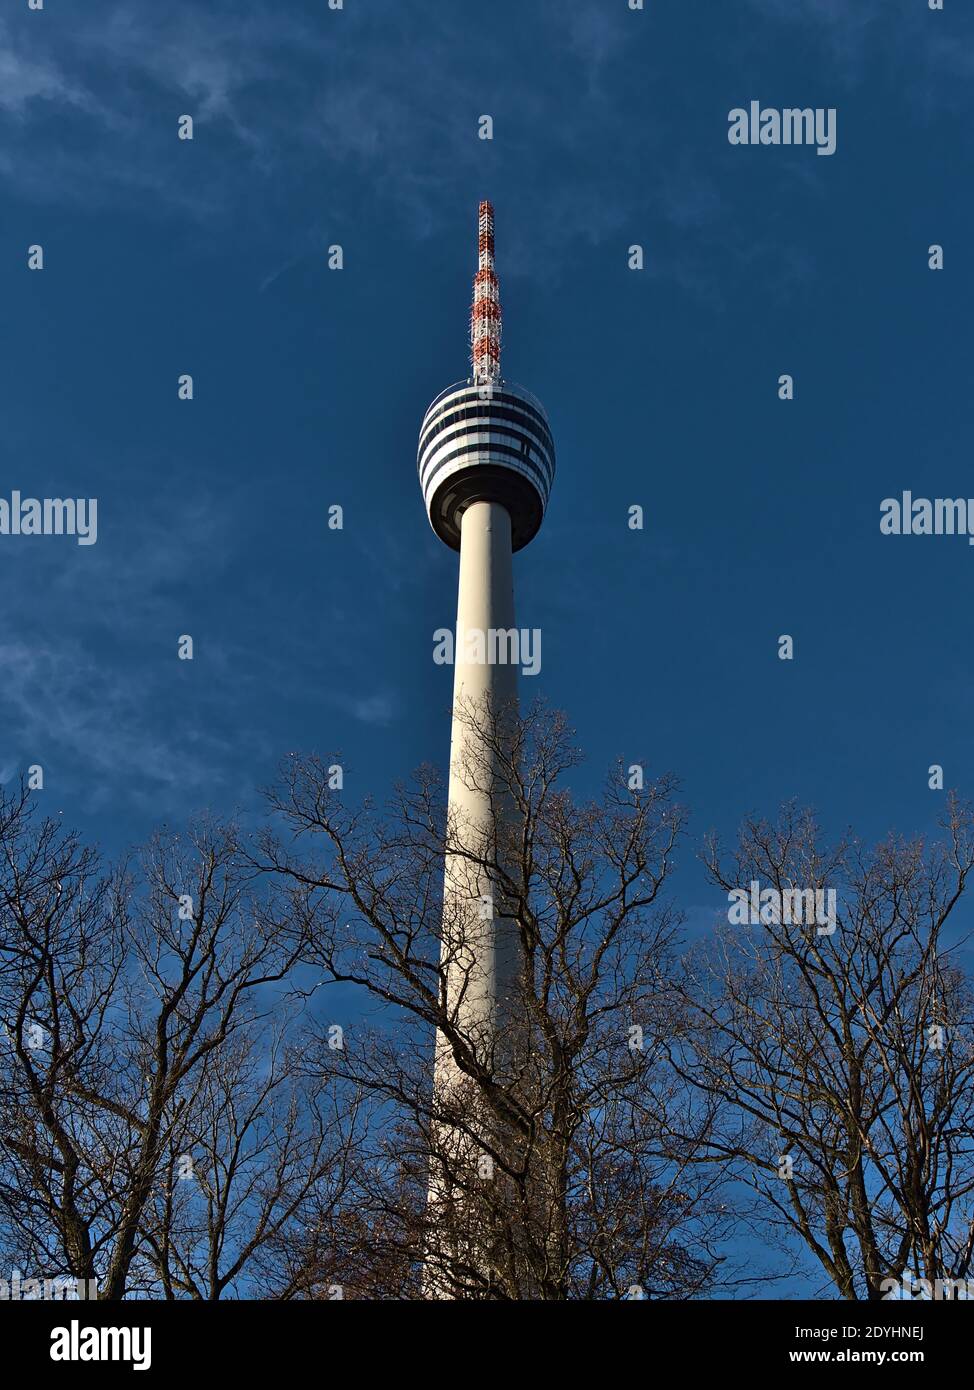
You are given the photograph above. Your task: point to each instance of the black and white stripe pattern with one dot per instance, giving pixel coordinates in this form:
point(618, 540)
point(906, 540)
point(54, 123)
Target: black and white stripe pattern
point(465, 430)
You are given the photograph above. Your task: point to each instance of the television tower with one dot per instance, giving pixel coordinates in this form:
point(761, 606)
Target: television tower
point(486, 463)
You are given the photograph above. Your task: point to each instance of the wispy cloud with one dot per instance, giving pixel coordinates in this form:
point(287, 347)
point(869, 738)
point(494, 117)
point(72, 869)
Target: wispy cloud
point(387, 97)
point(84, 724)
point(76, 692)
point(927, 55)
point(91, 686)
point(379, 709)
point(27, 78)
point(391, 93)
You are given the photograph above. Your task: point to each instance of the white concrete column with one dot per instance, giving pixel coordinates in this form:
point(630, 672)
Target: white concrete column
point(480, 961)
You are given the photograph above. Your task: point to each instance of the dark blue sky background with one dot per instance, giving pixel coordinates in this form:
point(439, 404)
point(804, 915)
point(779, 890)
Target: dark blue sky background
point(359, 127)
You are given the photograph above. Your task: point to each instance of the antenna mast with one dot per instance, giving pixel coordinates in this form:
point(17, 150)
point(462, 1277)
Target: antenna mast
point(485, 316)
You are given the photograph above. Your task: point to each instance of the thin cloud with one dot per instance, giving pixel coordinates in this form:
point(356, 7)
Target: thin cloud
point(26, 79)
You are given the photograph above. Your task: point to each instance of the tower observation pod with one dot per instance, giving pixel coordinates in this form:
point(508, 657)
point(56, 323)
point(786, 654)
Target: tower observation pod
point(485, 439)
point(486, 464)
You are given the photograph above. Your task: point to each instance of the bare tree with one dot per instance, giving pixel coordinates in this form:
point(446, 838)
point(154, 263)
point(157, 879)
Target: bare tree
point(261, 1156)
point(61, 964)
point(117, 996)
point(840, 1050)
point(548, 1174)
point(172, 1123)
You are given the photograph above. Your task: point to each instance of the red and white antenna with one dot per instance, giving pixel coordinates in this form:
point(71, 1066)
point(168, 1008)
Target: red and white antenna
point(485, 316)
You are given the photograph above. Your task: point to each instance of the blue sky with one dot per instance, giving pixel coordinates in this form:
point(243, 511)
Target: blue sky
point(359, 127)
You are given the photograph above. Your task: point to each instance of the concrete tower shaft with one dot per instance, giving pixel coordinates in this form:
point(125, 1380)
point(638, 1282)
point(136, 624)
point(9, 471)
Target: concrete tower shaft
point(478, 955)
